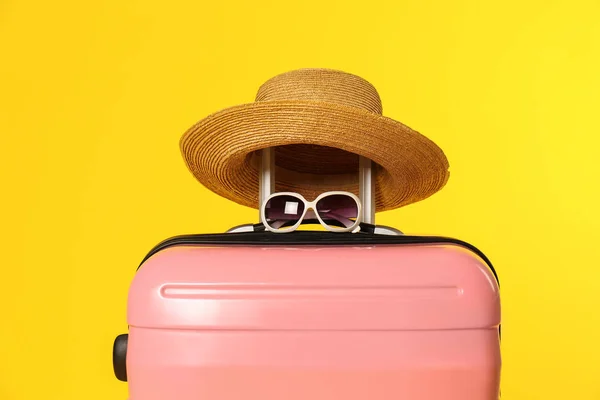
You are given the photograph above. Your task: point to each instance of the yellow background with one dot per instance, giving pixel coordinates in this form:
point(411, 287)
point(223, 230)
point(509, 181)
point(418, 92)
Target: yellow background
point(95, 95)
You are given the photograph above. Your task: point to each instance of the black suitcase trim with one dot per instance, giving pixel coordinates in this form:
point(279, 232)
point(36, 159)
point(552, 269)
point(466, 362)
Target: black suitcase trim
point(310, 238)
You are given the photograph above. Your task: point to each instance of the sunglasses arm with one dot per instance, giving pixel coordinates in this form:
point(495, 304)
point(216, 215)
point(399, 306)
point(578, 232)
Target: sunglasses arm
point(376, 229)
point(244, 228)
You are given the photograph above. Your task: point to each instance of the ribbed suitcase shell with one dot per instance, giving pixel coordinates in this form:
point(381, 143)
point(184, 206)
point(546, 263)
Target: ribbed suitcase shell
point(324, 318)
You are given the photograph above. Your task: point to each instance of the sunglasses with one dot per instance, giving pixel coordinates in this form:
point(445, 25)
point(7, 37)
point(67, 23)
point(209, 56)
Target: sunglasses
point(336, 211)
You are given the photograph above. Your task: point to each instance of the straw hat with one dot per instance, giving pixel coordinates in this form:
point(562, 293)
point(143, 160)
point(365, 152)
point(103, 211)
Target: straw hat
point(319, 121)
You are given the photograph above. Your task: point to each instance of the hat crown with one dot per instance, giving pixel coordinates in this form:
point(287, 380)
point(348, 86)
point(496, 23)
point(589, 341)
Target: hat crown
point(322, 85)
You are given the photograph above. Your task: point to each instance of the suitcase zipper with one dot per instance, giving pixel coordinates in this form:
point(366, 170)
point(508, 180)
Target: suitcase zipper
point(308, 238)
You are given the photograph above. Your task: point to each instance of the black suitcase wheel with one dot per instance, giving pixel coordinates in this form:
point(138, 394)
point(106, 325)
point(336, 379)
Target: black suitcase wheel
point(120, 357)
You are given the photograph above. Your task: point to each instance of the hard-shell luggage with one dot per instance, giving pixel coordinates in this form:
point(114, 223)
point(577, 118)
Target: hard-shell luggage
point(312, 315)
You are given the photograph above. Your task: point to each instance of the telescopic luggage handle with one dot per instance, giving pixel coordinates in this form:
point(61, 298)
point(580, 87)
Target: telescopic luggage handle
point(266, 183)
point(266, 186)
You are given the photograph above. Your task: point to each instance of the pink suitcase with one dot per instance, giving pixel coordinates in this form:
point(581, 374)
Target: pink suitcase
point(312, 315)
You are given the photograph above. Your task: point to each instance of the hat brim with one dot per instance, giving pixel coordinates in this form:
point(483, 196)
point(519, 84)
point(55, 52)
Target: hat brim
point(220, 151)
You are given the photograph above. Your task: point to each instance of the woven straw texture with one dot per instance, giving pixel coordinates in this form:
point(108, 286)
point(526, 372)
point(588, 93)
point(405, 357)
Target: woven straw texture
point(319, 122)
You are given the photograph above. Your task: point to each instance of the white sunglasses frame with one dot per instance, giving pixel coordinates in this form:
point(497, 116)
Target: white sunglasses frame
point(311, 205)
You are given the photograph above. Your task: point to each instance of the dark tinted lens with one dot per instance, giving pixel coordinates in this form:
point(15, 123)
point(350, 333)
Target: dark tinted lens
point(338, 208)
point(283, 211)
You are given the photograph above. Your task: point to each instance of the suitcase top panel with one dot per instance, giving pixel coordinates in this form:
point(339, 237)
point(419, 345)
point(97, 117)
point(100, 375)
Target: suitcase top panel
point(415, 286)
